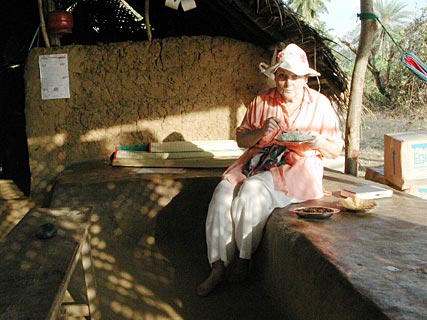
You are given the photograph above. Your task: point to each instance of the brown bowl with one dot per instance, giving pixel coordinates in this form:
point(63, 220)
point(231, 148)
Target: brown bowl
point(314, 212)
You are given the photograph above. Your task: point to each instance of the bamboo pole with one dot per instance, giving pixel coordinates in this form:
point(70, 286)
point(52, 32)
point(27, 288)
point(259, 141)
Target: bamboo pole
point(147, 19)
point(43, 24)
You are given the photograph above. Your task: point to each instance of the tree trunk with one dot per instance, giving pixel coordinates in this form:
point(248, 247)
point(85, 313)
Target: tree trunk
point(352, 132)
point(379, 81)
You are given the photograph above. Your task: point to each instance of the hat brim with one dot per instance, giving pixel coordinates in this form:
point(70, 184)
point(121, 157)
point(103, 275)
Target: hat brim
point(269, 72)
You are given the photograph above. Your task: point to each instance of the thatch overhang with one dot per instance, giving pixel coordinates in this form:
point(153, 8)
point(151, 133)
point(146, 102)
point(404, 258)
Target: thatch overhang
point(271, 25)
point(267, 23)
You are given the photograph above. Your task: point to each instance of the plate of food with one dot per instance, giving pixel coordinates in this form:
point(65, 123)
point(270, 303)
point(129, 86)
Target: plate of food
point(314, 212)
point(355, 204)
point(293, 138)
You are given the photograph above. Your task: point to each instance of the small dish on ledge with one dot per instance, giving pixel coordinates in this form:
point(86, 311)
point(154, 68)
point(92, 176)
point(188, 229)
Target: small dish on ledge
point(314, 212)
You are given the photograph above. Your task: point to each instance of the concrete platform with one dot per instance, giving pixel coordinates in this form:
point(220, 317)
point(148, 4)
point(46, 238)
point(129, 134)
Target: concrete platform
point(149, 251)
point(149, 247)
point(352, 266)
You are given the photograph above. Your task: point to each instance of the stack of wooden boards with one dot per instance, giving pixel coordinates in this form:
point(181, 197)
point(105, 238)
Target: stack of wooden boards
point(186, 154)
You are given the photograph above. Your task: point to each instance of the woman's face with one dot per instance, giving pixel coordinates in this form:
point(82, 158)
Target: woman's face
point(289, 85)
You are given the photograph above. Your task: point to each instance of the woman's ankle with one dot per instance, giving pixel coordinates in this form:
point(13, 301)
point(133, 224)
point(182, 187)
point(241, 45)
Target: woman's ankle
point(218, 265)
point(215, 277)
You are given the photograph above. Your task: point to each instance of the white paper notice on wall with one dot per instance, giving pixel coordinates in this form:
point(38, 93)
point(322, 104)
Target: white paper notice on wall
point(174, 4)
point(188, 4)
point(54, 77)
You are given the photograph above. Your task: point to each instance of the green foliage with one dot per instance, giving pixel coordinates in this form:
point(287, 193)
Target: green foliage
point(389, 85)
point(309, 10)
point(408, 92)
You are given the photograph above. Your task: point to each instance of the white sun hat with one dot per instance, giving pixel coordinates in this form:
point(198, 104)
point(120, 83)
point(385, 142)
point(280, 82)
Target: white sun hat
point(293, 59)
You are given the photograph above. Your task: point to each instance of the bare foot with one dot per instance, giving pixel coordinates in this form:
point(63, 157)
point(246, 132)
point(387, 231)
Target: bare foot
point(239, 270)
point(215, 277)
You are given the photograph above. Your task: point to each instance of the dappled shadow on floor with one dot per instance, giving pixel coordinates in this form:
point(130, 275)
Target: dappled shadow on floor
point(180, 236)
point(149, 250)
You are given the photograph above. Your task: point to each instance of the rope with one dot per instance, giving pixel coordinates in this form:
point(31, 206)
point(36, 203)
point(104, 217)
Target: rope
point(410, 60)
point(373, 16)
point(367, 16)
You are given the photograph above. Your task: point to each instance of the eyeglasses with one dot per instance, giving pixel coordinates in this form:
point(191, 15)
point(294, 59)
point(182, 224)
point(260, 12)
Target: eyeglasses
point(281, 76)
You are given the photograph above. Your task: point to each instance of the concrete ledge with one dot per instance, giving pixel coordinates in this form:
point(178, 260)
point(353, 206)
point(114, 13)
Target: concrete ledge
point(304, 283)
point(351, 266)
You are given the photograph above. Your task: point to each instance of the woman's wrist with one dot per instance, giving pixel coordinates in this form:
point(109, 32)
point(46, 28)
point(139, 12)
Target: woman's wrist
point(247, 139)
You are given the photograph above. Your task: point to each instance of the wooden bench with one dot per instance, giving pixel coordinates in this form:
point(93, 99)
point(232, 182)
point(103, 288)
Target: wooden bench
point(35, 273)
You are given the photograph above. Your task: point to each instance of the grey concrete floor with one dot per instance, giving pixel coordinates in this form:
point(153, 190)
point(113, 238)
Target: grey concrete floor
point(149, 249)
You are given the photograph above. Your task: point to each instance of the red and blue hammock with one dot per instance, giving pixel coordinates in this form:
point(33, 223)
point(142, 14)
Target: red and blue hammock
point(410, 60)
point(415, 65)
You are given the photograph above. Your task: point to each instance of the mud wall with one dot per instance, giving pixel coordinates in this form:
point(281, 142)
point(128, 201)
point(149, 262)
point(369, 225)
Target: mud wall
point(189, 88)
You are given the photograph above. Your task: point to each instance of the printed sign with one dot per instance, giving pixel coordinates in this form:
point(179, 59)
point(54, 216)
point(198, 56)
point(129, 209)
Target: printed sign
point(54, 76)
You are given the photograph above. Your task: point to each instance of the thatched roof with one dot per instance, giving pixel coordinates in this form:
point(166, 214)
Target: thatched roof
point(262, 22)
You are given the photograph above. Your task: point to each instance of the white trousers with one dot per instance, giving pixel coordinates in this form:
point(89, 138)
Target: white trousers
point(237, 215)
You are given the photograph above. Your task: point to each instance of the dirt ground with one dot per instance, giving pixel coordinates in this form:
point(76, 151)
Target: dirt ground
point(373, 128)
point(126, 303)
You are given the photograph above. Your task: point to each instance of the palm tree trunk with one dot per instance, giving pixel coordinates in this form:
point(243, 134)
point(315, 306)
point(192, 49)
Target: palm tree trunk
point(352, 132)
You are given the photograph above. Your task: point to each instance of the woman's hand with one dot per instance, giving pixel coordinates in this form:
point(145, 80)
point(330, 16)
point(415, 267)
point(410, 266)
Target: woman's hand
point(247, 139)
point(271, 124)
point(318, 141)
point(330, 149)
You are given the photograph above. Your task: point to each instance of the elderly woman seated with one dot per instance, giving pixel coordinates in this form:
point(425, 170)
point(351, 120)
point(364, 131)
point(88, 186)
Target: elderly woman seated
point(270, 174)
